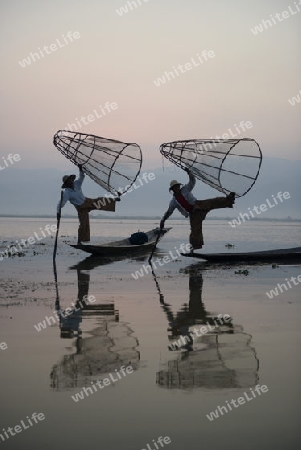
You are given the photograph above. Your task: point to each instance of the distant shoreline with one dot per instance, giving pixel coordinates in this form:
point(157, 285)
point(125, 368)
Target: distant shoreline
point(15, 216)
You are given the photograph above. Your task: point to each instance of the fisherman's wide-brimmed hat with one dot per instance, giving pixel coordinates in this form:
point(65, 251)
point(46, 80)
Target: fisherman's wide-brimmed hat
point(67, 177)
point(174, 183)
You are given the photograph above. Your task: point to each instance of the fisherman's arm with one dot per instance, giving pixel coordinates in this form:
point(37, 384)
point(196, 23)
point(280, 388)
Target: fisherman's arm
point(190, 185)
point(167, 214)
point(81, 175)
point(60, 204)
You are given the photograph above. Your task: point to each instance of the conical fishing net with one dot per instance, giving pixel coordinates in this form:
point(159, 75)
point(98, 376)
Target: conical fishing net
point(228, 165)
point(112, 164)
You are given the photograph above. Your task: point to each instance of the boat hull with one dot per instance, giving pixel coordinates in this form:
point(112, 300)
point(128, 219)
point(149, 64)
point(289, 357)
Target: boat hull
point(123, 247)
point(289, 256)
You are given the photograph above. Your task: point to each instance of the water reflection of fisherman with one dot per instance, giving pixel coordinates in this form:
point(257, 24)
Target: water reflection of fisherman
point(194, 313)
point(109, 345)
point(180, 323)
point(70, 324)
point(226, 358)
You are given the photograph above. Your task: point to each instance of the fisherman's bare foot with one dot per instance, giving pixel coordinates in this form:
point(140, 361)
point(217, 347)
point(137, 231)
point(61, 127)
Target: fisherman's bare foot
point(231, 198)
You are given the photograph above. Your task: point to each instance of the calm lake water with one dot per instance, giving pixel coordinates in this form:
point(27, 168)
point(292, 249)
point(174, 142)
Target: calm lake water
point(170, 392)
point(249, 236)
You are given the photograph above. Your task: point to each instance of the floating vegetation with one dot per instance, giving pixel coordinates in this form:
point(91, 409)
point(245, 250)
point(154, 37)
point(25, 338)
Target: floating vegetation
point(11, 254)
point(242, 272)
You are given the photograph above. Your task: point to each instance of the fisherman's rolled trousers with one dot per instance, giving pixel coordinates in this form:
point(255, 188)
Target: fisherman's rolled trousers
point(200, 209)
point(90, 204)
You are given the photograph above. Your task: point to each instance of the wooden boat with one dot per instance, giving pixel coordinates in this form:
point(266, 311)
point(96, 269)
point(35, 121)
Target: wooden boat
point(123, 247)
point(289, 255)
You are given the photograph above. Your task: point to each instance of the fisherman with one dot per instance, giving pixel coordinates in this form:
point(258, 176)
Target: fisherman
point(73, 193)
point(195, 209)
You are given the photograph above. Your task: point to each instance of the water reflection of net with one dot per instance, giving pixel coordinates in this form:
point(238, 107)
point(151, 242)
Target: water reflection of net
point(228, 165)
point(111, 346)
point(112, 164)
point(227, 362)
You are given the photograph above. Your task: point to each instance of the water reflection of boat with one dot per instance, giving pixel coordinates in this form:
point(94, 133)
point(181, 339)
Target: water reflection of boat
point(220, 358)
point(110, 344)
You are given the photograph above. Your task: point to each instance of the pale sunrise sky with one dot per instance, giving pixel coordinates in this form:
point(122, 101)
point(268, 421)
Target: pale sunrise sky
point(117, 58)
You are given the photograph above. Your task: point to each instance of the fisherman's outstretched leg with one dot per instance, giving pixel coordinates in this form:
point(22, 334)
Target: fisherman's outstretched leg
point(90, 204)
point(83, 204)
point(215, 203)
point(101, 203)
point(199, 212)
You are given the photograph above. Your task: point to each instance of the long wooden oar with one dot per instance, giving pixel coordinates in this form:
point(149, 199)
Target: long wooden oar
point(57, 299)
point(155, 245)
point(58, 226)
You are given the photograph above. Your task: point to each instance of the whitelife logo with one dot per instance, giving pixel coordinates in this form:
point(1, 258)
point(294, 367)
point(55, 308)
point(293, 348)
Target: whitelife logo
point(262, 208)
point(36, 417)
point(85, 120)
point(52, 320)
point(3, 346)
point(184, 248)
point(240, 400)
point(14, 249)
point(106, 382)
point(129, 6)
point(188, 339)
point(274, 292)
point(268, 23)
point(10, 159)
point(243, 126)
point(47, 50)
point(166, 440)
point(183, 68)
point(294, 100)
point(110, 197)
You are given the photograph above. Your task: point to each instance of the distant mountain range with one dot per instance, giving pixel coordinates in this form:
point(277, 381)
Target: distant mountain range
point(37, 191)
